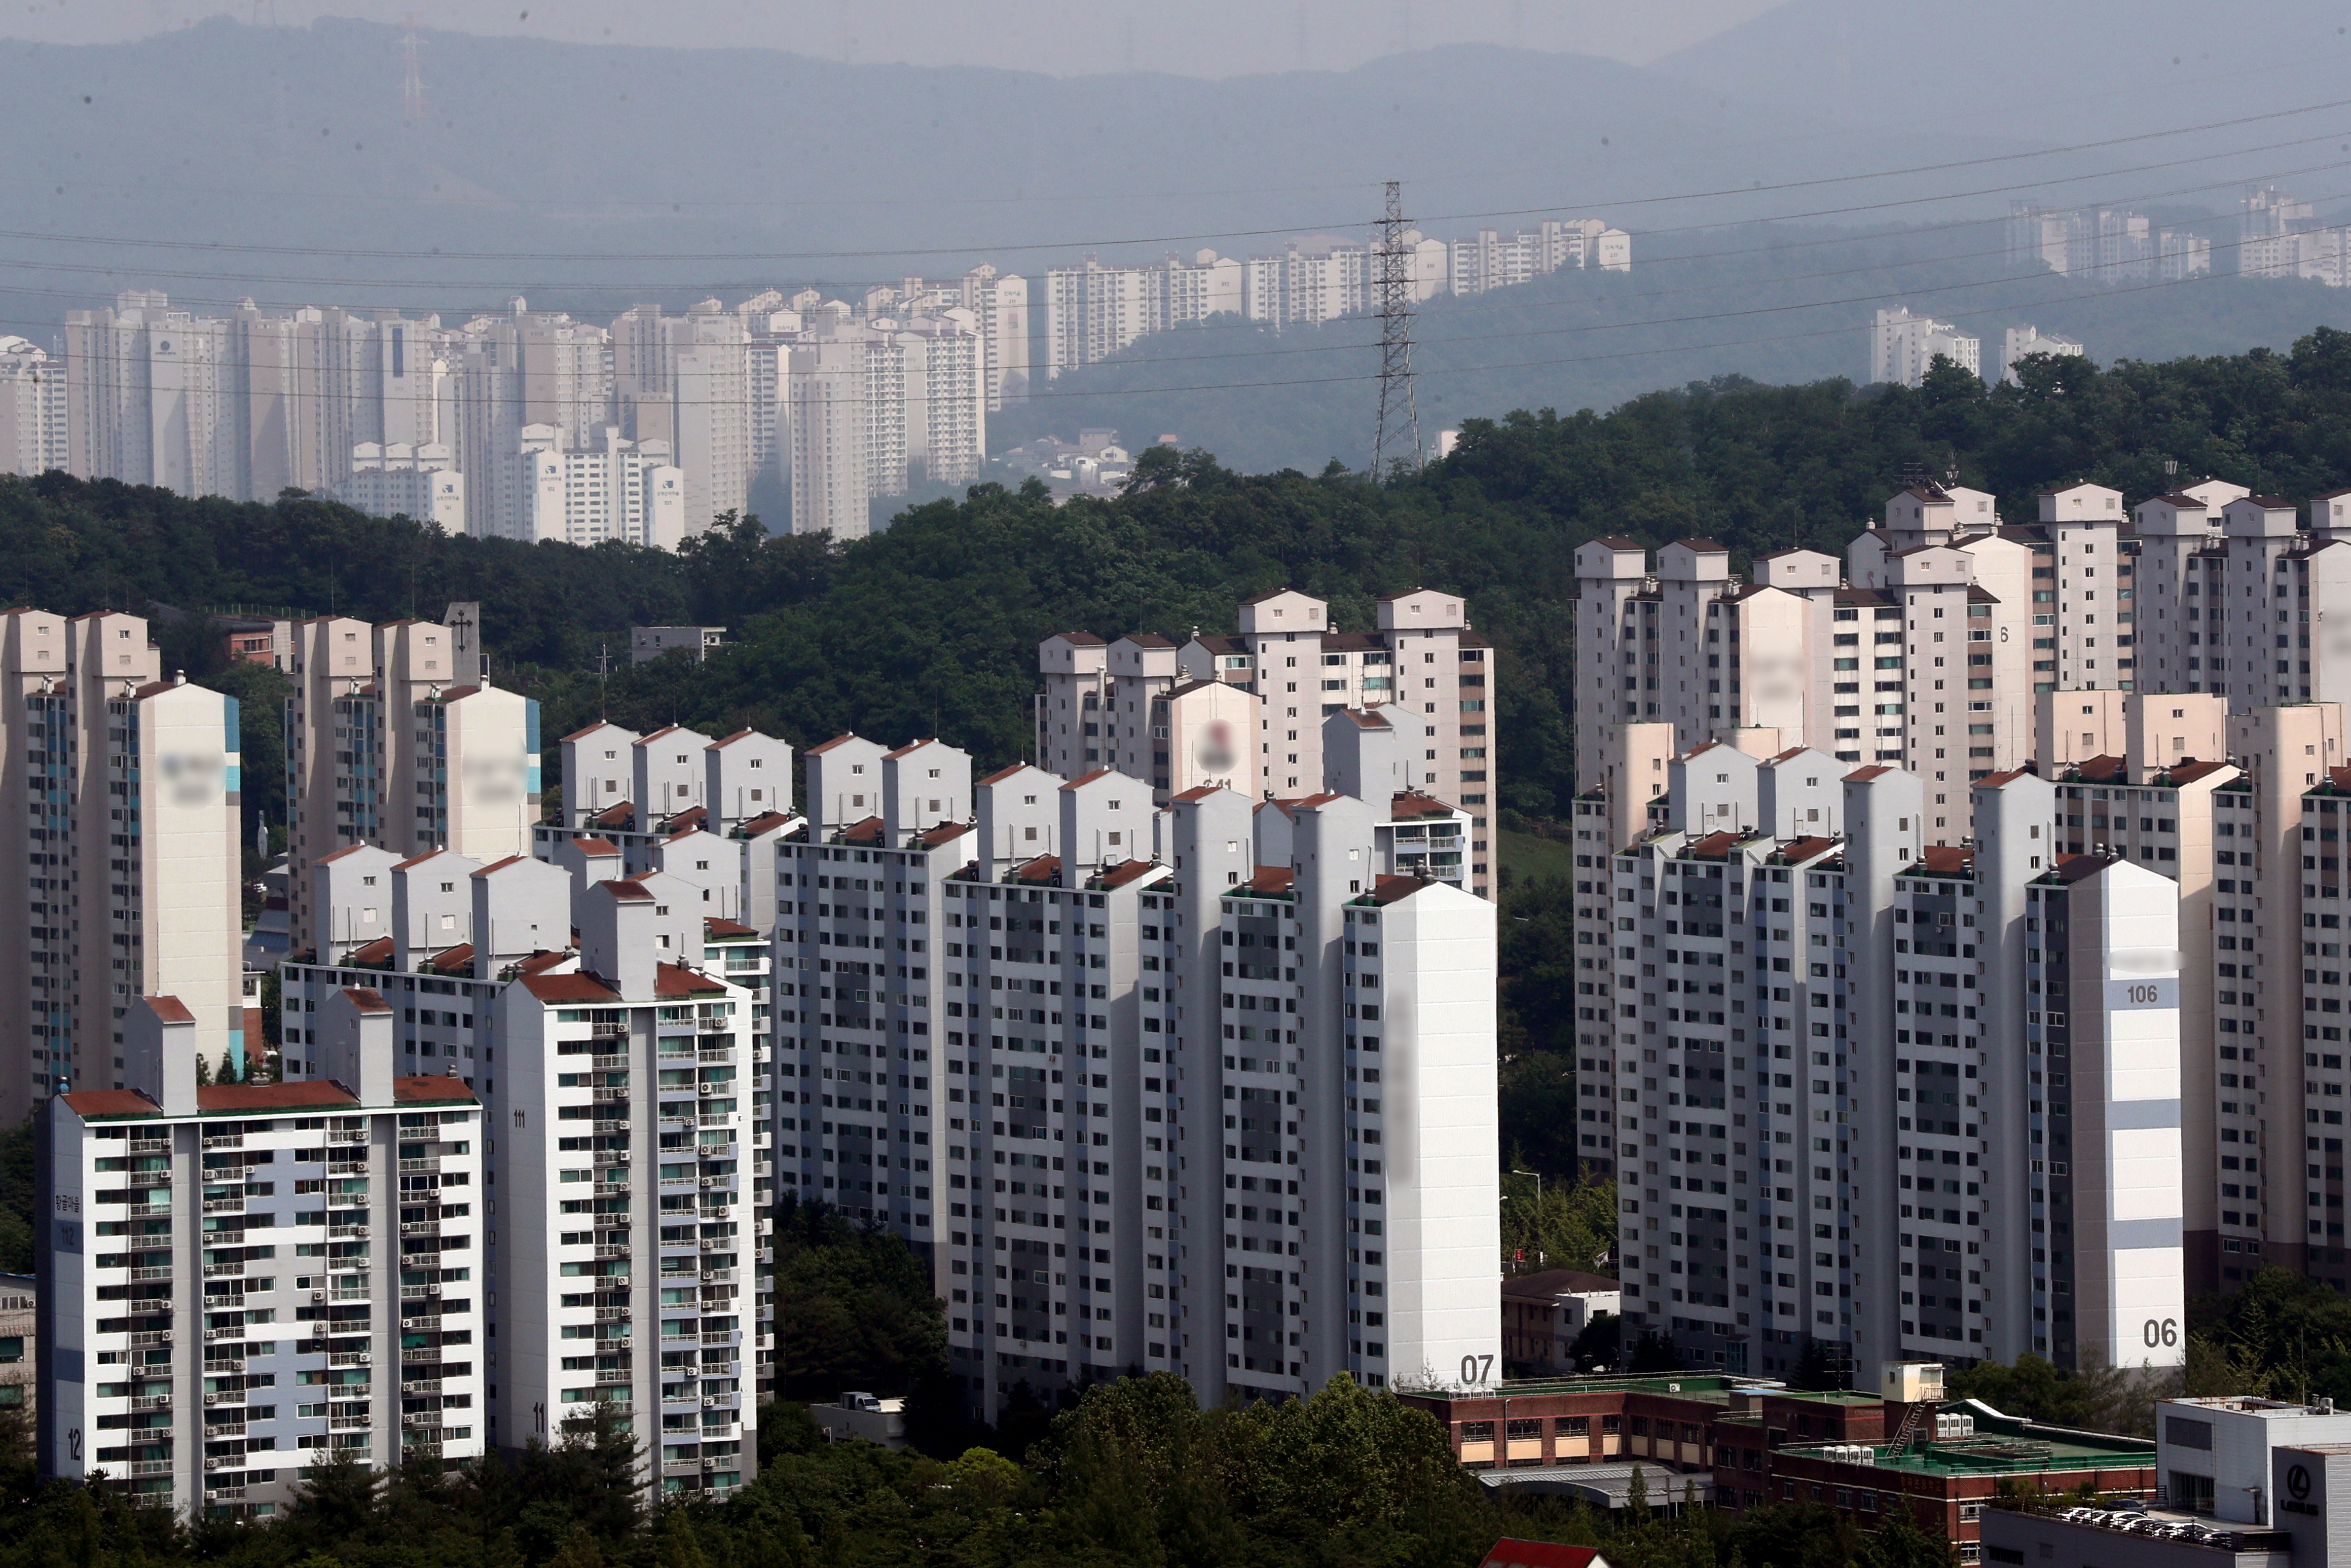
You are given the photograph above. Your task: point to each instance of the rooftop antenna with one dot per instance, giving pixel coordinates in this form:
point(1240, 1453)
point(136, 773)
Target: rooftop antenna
point(1397, 423)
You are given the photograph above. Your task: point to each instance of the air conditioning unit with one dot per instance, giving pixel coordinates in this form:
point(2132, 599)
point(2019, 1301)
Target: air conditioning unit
point(710, 1402)
point(164, 1337)
point(710, 1464)
point(216, 1398)
point(710, 1181)
point(218, 1464)
point(318, 1295)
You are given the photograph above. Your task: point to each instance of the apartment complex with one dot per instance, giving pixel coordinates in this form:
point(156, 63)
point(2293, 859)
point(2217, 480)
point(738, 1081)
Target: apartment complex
point(1093, 310)
point(1015, 1008)
point(1903, 347)
point(394, 741)
point(121, 879)
point(2111, 245)
point(1287, 707)
point(658, 423)
point(2192, 772)
point(333, 1314)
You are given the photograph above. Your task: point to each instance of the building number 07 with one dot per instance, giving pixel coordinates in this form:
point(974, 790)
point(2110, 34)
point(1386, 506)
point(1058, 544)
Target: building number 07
point(1477, 1370)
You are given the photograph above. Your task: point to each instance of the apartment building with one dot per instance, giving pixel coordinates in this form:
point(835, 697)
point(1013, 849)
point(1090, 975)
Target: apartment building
point(1903, 347)
point(331, 1314)
point(392, 740)
point(2017, 343)
point(400, 480)
point(610, 488)
point(1865, 1146)
point(1122, 704)
point(32, 408)
point(124, 787)
point(622, 1071)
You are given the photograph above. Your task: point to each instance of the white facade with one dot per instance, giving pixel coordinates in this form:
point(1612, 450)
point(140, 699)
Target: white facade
point(32, 410)
point(1903, 347)
point(123, 789)
point(1354, 1080)
point(1930, 1143)
point(2015, 342)
point(613, 489)
point(403, 481)
point(324, 1240)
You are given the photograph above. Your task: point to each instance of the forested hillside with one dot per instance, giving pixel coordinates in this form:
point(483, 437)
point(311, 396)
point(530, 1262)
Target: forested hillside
point(932, 627)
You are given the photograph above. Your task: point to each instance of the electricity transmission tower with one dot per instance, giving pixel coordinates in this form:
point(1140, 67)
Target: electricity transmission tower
point(1396, 433)
point(412, 86)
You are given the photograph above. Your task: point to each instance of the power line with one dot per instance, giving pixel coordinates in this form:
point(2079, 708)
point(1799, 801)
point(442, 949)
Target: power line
point(1100, 243)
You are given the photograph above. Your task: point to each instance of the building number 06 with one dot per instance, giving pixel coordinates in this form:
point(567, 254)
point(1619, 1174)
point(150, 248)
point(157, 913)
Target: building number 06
point(1479, 1370)
point(2160, 1331)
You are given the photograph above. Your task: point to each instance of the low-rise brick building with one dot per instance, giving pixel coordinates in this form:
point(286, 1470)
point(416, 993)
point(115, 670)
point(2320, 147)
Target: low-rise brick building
point(1745, 1444)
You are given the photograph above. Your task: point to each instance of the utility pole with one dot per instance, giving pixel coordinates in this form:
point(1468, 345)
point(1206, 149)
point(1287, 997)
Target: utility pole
point(1397, 431)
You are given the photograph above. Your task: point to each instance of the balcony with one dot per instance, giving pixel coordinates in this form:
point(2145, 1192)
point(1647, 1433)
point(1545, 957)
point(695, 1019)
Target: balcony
point(418, 1322)
point(358, 1232)
point(611, 1375)
point(150, 1467)
point(157, 1273)
point(430, 1163)
point(215, 1271)
point(421, 1385)
point(611, 1157)
point(350, 1423)
point(150, 1402)
point(620, 1095)
point(150, 1145)
point(723, 1336)
point(151, 1178)
point(418, 1292)
point(224, 1204)
point(611, 1314)
point(151, 1336)
point(610, 1063)
point(226, 1428)
point(346, 1358)
point(420, 1418)
point(347, 1135)
point(716, 1054)
point(612, 1250)
point(226, 1140)
point(347, 1167)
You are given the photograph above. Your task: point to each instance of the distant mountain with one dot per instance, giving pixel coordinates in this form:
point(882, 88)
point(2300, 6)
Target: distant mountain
point(2045, 73)
point(726, 169)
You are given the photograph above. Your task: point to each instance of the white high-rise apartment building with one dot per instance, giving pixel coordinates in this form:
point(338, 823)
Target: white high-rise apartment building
point(394, 745)
point(612, 489)
point(1884, 1098)
point(1490, 259)
point(1092, 311)
point(941, 396)
point(1208, 285)
point(998, 303)
point(2112, 244)
point(828, 430)
point(1005, 1055)
point(404, 481)
point(1118, 706)
point(2161, 672)
point(145, 396)
point(1903, 347)
point(620, 1067)
point(2016, 342)
point(122, 881)
point(32, 410)
point(322, 1236)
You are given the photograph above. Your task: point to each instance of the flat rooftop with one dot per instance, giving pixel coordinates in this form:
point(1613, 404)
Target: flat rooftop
point(2004, 1446)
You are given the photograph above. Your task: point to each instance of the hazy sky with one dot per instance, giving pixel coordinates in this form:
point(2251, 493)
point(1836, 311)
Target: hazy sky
point(1194, 38)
